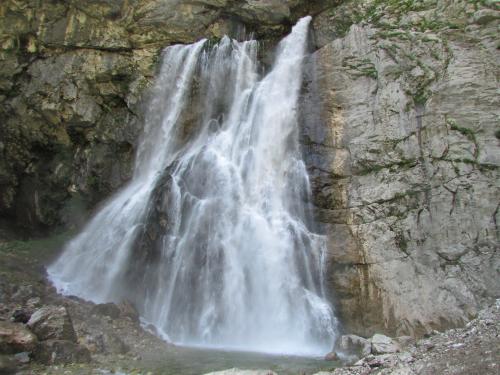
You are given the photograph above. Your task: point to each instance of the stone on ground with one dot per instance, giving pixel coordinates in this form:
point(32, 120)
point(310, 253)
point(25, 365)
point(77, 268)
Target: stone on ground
point(382, 344)
point(15, 337)
point(57, 352)
point(356, 345)
point(52, 323)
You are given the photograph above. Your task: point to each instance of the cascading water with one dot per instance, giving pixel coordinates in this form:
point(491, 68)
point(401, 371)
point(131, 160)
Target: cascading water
point(232, 261)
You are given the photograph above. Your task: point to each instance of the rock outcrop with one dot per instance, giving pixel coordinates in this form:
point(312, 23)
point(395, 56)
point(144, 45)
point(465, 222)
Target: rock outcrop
point(405, 170)
point(52, 323)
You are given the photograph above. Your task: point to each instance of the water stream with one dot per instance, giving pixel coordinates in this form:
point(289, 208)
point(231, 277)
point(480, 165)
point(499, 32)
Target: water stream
point(213, 239)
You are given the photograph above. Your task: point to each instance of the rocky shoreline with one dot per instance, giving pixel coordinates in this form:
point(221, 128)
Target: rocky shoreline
point(473, 349)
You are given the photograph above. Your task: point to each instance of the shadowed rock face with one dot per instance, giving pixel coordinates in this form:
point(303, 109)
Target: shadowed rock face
point(72, 76)
point(400, 133)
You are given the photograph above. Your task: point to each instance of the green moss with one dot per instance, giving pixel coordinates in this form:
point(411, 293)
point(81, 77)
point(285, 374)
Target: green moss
point(360, 67)
point(40, 250)
point(421, 97)
point(399, 165)
point(464, 131)
point(469, 133)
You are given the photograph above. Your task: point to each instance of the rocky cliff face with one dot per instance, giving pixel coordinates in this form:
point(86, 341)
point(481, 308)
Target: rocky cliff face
point(406, 168)
point(72, 75)
point(403, 156)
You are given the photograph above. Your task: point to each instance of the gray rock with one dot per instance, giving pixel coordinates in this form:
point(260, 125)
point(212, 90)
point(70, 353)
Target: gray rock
point(52, 323)
point(23, 357)
point(405, 341)
point(332, 356)
point(453, 252)
point(406, 166)
point(382, 344)
point(15, 337)
point(352, 344)
point(107, 309)
point(127, 309)
point(55, 352)
point(484, 16)
point(21, 316)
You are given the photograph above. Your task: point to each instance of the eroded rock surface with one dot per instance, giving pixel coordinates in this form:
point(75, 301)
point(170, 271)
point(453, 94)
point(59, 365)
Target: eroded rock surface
point(405, 169)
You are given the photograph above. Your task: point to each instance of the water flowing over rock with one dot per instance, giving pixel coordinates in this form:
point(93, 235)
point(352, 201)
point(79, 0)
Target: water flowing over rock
point(213, 239)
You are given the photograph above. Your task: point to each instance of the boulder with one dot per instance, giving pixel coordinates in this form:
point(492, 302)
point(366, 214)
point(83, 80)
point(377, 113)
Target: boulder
point(108, 343)
point(332, 356)
point(21, 315)
point(405, 341)
point(352, 344)
point(23, 357)
point(52, 323)
point(15, 337)
point(114, 344)
point(107, 309)
point(57, 352)
point(8, 364)
point(382, 344)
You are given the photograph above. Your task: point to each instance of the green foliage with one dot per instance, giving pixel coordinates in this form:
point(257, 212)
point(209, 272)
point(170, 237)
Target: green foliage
point(401, 164)
point(360, 67)
point(37, 248)
point(469, 133)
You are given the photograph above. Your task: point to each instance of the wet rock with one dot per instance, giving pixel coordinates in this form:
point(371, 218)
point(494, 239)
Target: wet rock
point(94, 343)
point(106, 342)
point(382, 344)
point(8, 364)
point(52, 323)
point(114, 344)
point(332, 356)
point(107, 309)
point(55, 352)
point(15, 337)
point(21, 316)
point(356, 345)
point(23, 357)
point(128, 310)
point(23, 293)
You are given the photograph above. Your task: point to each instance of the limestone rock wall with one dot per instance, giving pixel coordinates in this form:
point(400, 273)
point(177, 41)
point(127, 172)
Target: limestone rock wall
point(405, 170)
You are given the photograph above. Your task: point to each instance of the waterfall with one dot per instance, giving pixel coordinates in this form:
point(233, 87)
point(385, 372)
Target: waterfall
point(212, 239)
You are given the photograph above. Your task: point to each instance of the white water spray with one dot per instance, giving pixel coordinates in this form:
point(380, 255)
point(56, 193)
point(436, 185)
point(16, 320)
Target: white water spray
point(220, 177)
